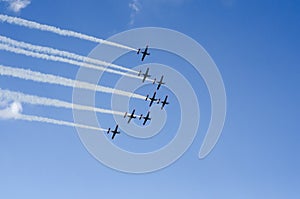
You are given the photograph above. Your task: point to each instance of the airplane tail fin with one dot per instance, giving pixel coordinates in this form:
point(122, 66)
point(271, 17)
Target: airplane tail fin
point(108, 130)
point(147, 98)
point(125, 114)
point(139, 50)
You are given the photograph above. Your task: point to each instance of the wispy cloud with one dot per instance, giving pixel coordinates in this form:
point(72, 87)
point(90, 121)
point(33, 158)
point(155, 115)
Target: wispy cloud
point(16, 5)
point(135, 7)
point(10, 110)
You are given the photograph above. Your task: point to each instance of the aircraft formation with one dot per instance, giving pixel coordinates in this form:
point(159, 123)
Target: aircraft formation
point(151, 100)
point(62, 56)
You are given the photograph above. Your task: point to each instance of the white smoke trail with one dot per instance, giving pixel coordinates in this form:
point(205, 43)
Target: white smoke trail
point(32, 118)
point(36, 100)
point(43, 27)
point(52, 79)
point(61, 59)
point(14, 110)
point(52, 51)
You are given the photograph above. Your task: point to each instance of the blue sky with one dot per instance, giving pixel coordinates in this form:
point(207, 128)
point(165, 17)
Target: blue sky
point(255, 45)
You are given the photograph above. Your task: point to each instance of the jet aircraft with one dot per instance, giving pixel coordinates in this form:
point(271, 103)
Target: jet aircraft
point(164, 102)
point(131, 116)
point(160, 82)
point(146, 118)
point(114, 132)
point(145, 52)
point(146, 74)
point(152, 99)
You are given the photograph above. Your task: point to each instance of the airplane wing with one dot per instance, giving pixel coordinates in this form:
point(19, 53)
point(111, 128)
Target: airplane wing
point(129, 120)
point(145, 119)
point(151, 102)
point(143, 57)
point(144, 77)
point(158, 86)
point(116, 129)
point(144, 122)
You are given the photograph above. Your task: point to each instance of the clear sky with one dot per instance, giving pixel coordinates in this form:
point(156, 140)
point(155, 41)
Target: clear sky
point(255, 45)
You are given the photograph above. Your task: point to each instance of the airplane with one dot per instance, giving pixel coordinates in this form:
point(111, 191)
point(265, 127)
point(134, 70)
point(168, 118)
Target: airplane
point(152, 99)
point(114, 132)
point(145, 52)
point(146, 118)
point(146, 74)
point(164, 102)
point(160, 82)
point(131, 116)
